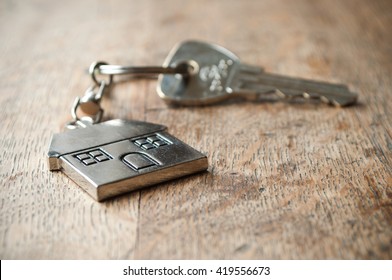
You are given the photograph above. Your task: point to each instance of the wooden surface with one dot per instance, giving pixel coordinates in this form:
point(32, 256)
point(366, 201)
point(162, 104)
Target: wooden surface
point(286, 181)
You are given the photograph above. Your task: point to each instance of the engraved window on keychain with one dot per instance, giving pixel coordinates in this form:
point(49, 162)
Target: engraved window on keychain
point(117, 156)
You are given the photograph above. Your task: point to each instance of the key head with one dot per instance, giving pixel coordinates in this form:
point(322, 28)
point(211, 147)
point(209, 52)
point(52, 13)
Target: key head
point(211, 69)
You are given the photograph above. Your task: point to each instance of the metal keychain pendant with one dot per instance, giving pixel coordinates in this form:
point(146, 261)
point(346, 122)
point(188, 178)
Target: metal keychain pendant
point(114, 157)
point(117, 156)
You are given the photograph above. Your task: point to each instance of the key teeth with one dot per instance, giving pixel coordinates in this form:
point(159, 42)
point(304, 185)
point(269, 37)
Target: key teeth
point(281, 94)
point(326, 100)
point(349, 98)
point(257, 82)
point(336, 104)
point(323, 99)
point(346, 101)
point(307, 96)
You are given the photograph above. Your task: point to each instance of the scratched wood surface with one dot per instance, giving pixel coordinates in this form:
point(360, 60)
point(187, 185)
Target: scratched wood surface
point(285, 181)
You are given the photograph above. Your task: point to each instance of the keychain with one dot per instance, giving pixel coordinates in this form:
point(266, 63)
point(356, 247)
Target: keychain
point(117, 156)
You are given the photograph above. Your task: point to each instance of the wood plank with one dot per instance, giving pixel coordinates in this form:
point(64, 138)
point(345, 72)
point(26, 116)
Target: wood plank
point(286, 180)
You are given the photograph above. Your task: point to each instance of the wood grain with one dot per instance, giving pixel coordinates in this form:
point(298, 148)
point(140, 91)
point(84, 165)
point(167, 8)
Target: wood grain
point(286, 181)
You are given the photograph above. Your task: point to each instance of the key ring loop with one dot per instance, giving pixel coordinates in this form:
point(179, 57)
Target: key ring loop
point(89, 104)
point(94, 67)
point(104, 68)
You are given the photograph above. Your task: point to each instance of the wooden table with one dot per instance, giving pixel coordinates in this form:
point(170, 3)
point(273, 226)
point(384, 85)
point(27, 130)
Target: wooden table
point(286, 181)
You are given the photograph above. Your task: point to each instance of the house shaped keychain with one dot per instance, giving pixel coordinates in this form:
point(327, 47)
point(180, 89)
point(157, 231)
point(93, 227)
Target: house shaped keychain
point(117, 156)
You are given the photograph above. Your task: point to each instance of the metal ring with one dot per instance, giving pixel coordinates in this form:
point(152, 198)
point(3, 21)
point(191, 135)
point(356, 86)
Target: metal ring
point(104, 68)
point(94, 67)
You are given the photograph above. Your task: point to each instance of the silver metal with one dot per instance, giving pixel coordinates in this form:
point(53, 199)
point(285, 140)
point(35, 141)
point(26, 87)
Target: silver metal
point(93, 71)
point(216, 74)
point(90, 105)
point(117, 156)
point(110, 158)
point(141, 71)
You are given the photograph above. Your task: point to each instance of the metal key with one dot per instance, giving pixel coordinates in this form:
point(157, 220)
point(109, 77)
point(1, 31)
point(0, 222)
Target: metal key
point(215, 74)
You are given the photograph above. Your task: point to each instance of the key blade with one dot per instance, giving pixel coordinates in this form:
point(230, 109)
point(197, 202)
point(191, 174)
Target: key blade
point(287, 87)
point(260, 92)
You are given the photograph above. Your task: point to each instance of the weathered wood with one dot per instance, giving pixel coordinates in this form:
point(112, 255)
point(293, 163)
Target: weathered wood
point(286, 181)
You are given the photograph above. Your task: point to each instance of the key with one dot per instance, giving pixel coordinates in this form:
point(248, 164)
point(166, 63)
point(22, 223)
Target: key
point(215, 74)
point(117, 156)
